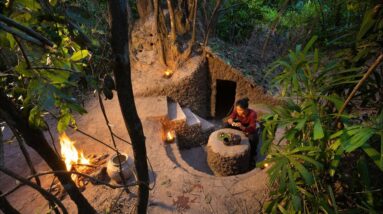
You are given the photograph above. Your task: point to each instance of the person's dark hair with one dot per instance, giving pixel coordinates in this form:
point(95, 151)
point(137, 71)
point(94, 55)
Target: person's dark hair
point(243, 103)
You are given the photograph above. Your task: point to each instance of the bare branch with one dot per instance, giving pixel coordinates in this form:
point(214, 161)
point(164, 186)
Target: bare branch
point(6, 207)
point(86, 134)
point(20, 34)
point(23, 51)
point(212, 20)
point(48, 196)
point(25, 153)
point(372, 68)
point(26, 30)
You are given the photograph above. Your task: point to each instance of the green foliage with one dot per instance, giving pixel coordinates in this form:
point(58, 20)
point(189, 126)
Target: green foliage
point(305, 162)
point(51, 79)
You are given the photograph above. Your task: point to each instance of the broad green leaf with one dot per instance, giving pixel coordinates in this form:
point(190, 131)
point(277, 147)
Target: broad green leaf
point(307, 176)
point(309, 44)
point(35, 118)
point(56, 76)
point(78, 55)
point(332, 198)
point(296, 202)
point(301, 123)
point(358, 139)
point(373, 154)
point(304, 149)
point(310, 160)
point(335, 99)
point(367, 23)
point(318, 130)
point(22, 69)
point(283, 210)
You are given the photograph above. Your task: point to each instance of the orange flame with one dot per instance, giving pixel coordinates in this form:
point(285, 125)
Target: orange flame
point(168, 73)
point(169, 136)
point(70, 154)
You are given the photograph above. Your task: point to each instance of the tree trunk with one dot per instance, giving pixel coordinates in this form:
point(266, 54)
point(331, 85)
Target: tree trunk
point(172, 21)
point(144, 8)
point(122, 73)
point(35, 139)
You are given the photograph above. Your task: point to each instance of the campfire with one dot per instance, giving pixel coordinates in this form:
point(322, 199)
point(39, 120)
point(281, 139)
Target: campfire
point(70, 154)
point(77, 161)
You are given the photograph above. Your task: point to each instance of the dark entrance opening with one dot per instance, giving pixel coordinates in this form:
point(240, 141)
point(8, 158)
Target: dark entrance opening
point(225, 97)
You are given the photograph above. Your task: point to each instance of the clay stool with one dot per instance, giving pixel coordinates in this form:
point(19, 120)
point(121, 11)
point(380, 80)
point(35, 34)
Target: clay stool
point(228, 160)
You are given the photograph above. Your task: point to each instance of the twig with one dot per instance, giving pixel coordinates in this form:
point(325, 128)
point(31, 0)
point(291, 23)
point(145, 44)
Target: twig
point(7, 207)
point(378, 60)
point(52, 68)
point(95, 180)
point(111, 133)
point(52, 139)
point(84, 133)
point(42, 191)
point(26, 30)
point(23, 51)
point(20, 34)
point(87, 165)
point(276, 21)
point(25, 153)
point(212, 18)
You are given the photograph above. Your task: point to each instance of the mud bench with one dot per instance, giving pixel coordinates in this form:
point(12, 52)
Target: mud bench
point(226, 160)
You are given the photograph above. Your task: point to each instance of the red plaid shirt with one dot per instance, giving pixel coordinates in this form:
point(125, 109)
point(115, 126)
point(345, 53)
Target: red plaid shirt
point(249, 120)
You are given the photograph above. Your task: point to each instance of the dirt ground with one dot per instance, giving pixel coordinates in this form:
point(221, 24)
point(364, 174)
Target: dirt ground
point(177, 186)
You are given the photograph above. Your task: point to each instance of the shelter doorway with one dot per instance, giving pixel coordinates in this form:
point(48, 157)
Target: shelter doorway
point(225, 97)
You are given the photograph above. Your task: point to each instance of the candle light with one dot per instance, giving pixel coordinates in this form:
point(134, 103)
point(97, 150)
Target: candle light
point(170, 136)
point(168, 73)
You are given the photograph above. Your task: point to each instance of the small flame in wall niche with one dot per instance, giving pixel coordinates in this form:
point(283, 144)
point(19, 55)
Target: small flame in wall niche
point(170, 136)
point(168, 73)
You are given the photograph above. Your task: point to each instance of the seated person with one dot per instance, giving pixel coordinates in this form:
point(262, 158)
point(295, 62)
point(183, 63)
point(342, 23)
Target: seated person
point(245, 119)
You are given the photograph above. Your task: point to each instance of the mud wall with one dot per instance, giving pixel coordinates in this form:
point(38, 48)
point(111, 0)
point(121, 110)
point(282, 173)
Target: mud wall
point(192, 90)
point(220, 70)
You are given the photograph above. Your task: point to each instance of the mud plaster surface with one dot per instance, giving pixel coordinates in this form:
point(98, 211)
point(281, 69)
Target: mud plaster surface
point(179, 188)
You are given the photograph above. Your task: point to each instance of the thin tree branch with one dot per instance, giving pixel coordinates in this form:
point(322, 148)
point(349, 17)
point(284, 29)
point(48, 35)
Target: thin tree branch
point(276, 22)
point(48, 196)
point(6, 207)
point(2, 161)
point(25, 153)
point(52, 68)
point(26, 30)
point(111, 133)
point(95, 180)
point(376, 63)
point(20, 34)
point(23, 51)
point(211, 21)
point(84, 133)
point(51, 136)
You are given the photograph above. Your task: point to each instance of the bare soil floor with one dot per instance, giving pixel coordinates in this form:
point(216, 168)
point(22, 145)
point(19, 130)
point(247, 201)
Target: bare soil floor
point(177, 186)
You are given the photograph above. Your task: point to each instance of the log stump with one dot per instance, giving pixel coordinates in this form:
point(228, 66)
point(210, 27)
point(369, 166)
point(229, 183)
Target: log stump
point(228, 160)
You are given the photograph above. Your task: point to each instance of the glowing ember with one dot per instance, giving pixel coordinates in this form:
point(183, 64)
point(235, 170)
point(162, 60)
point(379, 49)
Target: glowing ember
point(168, 73)
point(70, 154)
